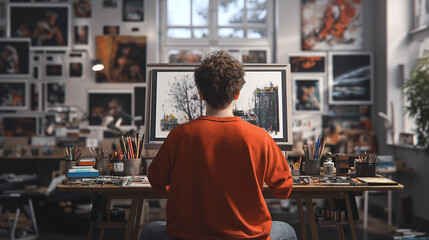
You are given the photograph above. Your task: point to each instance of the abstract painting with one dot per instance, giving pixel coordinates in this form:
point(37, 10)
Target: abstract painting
point(305, 63)
point(124, 58)
point(331, 25)
point(350, 78)
point(308, 95)
point(18, 126)
point(14, 57)
point(13, 95)
point(110, 108)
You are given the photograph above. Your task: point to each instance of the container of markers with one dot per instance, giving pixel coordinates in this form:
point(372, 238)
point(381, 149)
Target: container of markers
point(312, 167)
point(365, 169)
point(132, 167)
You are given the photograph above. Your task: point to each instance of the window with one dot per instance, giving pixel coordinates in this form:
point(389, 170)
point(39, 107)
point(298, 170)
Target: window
point(421, 13)
point(210, 25)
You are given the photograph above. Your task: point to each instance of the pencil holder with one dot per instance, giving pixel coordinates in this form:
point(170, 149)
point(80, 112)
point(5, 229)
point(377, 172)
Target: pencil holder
point(133, 167)
point(312, 167)
point(295, 172)
point(365, 169)
point(102, 165)
point(69, 165)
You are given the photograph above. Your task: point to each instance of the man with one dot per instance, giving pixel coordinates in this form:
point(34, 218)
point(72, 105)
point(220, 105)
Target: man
point(212, 169)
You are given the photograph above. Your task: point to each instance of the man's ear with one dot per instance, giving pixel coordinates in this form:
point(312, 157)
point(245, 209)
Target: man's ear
point(201, 95)
point(238, 94)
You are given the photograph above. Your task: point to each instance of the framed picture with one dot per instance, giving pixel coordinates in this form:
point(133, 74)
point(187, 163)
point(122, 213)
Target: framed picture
point(185, 55)
point(265, 100)
point(124, 59)
point(406, 138)
point(54, 70)
point(81, 33)
point(55, 94)
point(111, 30)
point(110, 108)
point(132, 10)
point(35, 96)
point(15, 125)
point(14, 57)
point(48, 25)
point(76, 69)
point(139, 105)
point(250, 56)
point(327, 25)
point(350, 78)
point(82, 8)
point(110, 3)
point(308, 94)
point(13, 95)
point(307, 63)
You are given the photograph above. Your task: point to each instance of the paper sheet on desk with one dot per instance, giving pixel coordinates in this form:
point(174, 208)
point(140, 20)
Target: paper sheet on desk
point(139, 184)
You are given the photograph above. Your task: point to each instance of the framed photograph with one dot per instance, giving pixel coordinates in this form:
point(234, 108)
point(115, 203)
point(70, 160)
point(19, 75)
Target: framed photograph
point(185, 55)
point(48, 25)
point(110, 3)
point(82, 8)
point(13, 95)
point(14, 57)
point(110, 108)
point(76, 69)
point(54, 70)
point(406, 138)
point(327, 25)
point(55, 94)
point(17, 125)
point(124, 59)
point(350, 78)
point(81, 33)
point(265, 100)
point(111, 30)
point(132, 10)
point(308, 94)
point(139, 105)
point(307, 63)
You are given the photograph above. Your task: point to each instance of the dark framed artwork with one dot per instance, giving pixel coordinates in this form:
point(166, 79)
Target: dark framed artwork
point(110, 108)
point(308, 95)
point(110, 3)
point(139, 105)
point(55, 94)
point(35, 96)
point(351, 78)
point(124, 59)
point(48, 25)
point(14, 57)
point(82, 8)
point(307, 63)
point(13, 95)
point(111, 30)
point(250, 55)
point(76, 64)
point(75, 69)
point(20, 125)
point(265, 100)
point(54, 70)
point(331, 25)
point(81, 33)
point(132, 10)
point(185, 55)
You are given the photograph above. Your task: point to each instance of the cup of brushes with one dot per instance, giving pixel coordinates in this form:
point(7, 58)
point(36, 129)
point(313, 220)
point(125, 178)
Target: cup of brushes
point(132, 148)
point(71, 155)
point(313, 153)
point(365, 165)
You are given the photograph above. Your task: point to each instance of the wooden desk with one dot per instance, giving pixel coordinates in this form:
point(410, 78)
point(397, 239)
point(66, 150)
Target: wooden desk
point(299, 192)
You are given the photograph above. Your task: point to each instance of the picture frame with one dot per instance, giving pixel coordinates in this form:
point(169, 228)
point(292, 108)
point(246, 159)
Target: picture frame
point(406, 138)
point(38, 15)
point(76, 65)
point(308, 94)
point(110, 3)
point(54, 70)
point(250, 55)
point(35, 96)
point(109, 108)
point(81, 35)
point(263, 80)
point(124, 59)
point(311, 62)
point(112, 30)
point(17, 125)
point(13, 95)
point(53, 67)
point(55, 94)
point(14, 57)
point(190, 56)
point(133, 10)
point(351, 78)
point(322, 30)
point(139, 104)
point(82, 8)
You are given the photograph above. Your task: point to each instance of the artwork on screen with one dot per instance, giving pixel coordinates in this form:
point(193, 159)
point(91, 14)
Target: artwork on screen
point(265, 100)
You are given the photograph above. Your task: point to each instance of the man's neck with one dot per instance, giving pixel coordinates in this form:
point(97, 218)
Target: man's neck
point(215, 112)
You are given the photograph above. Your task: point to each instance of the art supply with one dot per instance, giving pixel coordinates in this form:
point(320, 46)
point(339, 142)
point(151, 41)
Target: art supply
point(117, 163)
point(295, 167)
point(342, 164)
point(131, 146)
point(328, 166)
point(72, 153)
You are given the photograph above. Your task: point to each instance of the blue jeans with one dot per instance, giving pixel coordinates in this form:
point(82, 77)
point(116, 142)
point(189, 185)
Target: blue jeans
point(156, 231)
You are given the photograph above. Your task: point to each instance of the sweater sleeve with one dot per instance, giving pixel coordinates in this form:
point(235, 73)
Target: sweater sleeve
point(158, 171)
point(278, 176)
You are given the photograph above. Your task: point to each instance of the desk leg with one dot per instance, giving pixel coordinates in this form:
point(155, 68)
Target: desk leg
point(138, 218)
point(365, 209)
point(311, 218)
point(131, 219)
point(389, 208)
point(301, 218)
point(350, 214)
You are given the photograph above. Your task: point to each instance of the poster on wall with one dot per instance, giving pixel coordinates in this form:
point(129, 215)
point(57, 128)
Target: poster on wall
point(48, 25)
point(350, 78)
point(14, 57)
point(124, 59)
point(307, 63)
point(82, 8)
point(13, 95)
point(110, 108)
point(308, 94)
point(331, 25)
point(22, 125)
point(132, 10)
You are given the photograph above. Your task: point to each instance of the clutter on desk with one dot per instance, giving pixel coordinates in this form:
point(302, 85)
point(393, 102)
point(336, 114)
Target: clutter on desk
point(120, 181)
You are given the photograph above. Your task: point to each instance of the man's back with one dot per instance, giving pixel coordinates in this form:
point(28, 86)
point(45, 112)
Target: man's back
point(215, 168)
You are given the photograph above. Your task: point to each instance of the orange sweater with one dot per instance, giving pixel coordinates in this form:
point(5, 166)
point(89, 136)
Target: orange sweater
point(212, 170)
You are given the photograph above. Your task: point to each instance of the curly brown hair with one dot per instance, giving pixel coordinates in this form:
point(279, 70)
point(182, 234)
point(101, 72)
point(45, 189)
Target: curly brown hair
point(219, 77)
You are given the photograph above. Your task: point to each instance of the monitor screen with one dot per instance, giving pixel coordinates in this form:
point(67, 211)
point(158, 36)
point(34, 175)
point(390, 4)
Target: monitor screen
point(265, 101)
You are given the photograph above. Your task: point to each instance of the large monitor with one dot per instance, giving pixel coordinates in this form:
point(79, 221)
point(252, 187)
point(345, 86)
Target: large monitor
point(265, 100)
